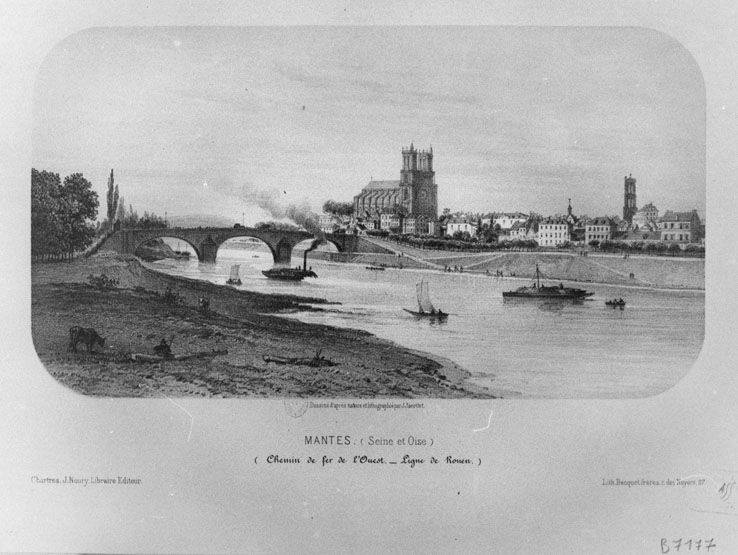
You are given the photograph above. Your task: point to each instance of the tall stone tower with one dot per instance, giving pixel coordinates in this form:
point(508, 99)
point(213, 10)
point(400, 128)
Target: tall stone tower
point(629, 204)
point(419, 192)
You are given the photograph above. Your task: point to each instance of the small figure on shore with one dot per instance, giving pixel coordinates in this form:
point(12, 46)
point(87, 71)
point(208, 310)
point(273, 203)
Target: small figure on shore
point(170, 297)
point(203, 305)
point(163, 349)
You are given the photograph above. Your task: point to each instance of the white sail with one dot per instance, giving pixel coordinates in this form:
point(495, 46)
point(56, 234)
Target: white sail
point(234, 271)
point(424, 302)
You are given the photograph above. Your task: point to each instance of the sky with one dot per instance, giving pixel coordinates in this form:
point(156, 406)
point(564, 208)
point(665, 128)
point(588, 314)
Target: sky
point(209, 120)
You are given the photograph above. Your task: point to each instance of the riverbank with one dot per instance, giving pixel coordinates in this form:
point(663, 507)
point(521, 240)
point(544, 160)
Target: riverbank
point(230, 341)
point(658, 272)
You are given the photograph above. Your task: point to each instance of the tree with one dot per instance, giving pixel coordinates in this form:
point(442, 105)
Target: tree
point(674, 248)
point(121, 215)
point(112, 198)
point(115, 203)
point(338, 208)
point(61, 214)
point(80, 205)
point(46, 225)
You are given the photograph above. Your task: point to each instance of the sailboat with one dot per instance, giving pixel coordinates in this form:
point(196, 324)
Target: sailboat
point(179, 253)
point(233, 279)
point(425, 306)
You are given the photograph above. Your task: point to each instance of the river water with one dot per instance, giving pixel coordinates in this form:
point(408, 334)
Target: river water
point(522, 347)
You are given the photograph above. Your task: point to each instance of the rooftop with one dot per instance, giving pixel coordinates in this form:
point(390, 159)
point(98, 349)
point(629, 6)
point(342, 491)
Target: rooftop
point(601, 220)
point(387, 184)
point(671, 216)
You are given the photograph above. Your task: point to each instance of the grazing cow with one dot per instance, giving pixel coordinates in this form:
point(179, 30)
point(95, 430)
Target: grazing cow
point(87, 336)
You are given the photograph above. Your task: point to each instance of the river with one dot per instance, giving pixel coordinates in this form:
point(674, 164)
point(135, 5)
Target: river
point(520, 348)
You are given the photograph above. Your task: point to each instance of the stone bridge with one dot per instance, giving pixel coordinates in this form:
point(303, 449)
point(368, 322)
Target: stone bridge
point(207, 240)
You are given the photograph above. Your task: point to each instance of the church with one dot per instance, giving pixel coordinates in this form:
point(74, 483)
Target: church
point(415, 194)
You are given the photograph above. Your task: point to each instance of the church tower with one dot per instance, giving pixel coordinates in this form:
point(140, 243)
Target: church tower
point(419, 192)
point(629, 205)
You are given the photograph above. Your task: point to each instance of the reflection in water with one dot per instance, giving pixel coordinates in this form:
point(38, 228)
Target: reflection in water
point(548, 349)
point(545, 304)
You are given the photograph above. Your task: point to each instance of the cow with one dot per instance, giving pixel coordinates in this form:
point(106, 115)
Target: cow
point(88, 336)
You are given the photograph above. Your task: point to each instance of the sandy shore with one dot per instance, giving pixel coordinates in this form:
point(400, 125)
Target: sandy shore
point(231, 341)
point(656, 272)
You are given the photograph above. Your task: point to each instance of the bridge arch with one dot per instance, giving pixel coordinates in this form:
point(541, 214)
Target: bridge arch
point(258, 240)
point(189, 243)
point(305, 244)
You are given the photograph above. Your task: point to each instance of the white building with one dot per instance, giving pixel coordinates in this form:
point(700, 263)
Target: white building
point(328, 222)
point(553, 232)
point(506, 219)
point(460, 225)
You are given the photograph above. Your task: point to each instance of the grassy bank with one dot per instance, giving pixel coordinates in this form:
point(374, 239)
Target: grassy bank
point(231, 341)
point(648, 271)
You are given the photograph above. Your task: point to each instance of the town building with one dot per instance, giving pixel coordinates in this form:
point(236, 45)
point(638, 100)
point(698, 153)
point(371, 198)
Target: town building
point(506, 219)
point(646, 217)
point(415, 193)
point(600, 229)
point(517, 231)
point(389, 220)
point(553, 232)
point(576, 225)
point(328, 223)
point(460, 224)
point(629, 201)
point(526, 231)
point(415, 224)
point(531, 230)
point(680, 227)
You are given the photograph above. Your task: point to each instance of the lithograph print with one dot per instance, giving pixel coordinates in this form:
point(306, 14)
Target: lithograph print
point(369, 212)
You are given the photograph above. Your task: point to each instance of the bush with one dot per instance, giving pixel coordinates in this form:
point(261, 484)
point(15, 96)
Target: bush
point(102, 281)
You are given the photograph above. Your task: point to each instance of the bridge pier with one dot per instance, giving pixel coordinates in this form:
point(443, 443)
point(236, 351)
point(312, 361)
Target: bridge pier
point(208, 251)
point(282, 252)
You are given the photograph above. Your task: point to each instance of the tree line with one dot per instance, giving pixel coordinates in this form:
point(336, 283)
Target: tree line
point(63, 214)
